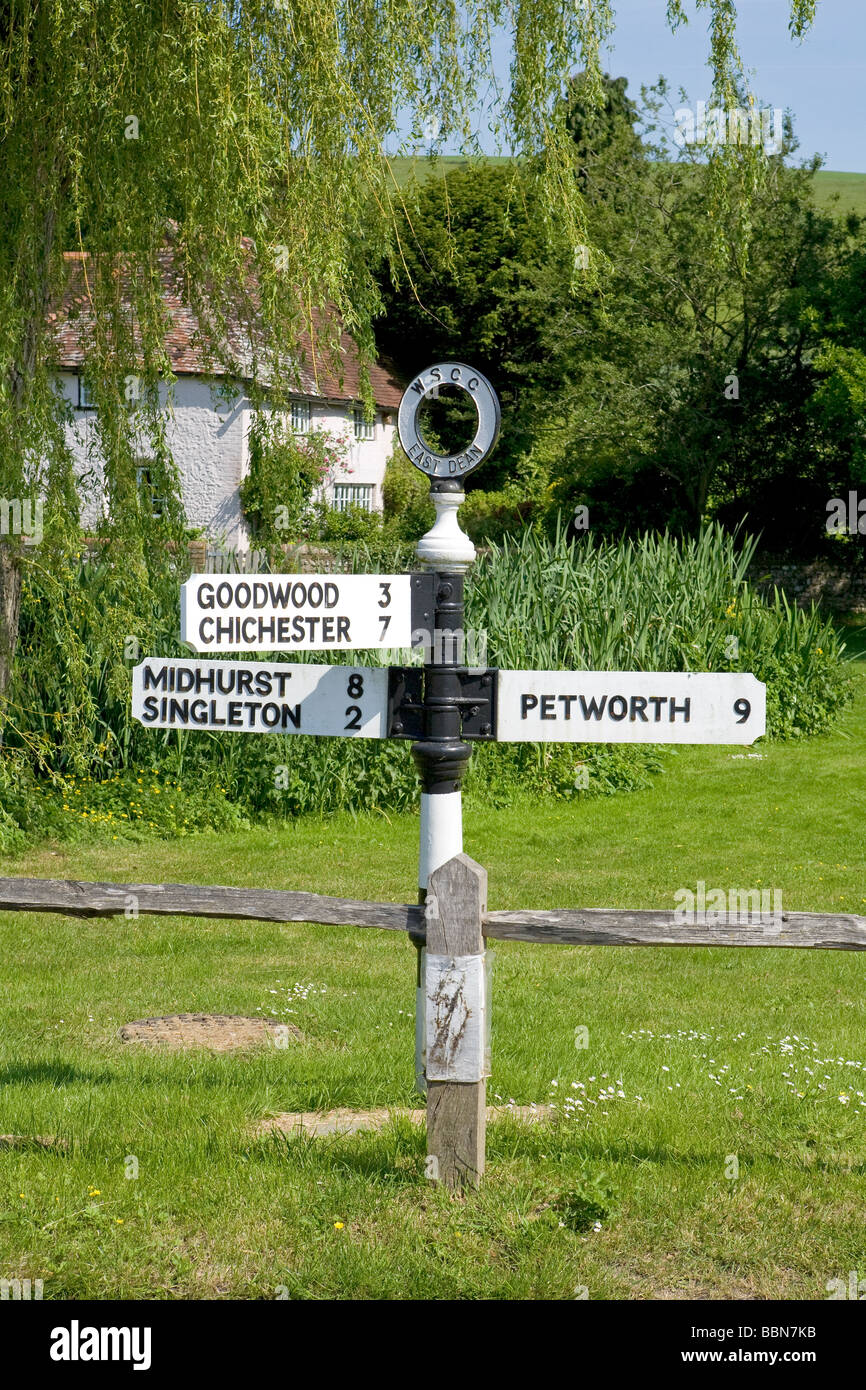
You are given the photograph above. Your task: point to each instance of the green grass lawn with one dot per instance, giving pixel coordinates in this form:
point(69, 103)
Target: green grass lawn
point(700, 1063)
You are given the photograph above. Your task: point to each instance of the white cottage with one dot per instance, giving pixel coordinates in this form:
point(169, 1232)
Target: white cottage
point(208, 436)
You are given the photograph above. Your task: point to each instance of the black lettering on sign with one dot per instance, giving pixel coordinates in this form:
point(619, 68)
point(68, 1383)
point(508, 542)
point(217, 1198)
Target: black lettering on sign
point(547, 710)
point(355, 721)
point(154, 680)
point(621, 704)
point(418, 388)
point(591, 709)
point(684, 708)
point(638, 705)
point(527, 702)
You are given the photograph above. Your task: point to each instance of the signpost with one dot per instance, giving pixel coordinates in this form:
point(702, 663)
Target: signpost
point(629, 707)
point(442, 709)
point(300, 612)
point(261, 698)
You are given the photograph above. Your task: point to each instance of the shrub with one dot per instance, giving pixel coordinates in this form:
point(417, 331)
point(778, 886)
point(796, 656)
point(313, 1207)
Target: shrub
point(285, 471)
point(408, 511)
point(491, 516)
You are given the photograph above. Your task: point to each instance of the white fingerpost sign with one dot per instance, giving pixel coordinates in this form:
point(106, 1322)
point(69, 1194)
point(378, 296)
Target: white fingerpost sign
point(300, 612)
point(629, 707)
point(259, 697)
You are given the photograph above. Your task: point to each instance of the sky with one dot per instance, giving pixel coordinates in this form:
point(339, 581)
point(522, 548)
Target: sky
point(821, 78)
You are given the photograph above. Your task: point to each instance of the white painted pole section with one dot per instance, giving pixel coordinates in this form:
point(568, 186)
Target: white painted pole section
point(444, 548)
point(441, 832)
point(441, 839)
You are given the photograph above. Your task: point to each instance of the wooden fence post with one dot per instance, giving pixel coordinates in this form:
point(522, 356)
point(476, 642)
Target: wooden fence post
point(456, 1022)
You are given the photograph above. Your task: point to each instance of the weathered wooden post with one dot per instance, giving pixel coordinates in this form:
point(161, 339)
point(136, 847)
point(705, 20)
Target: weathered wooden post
point(456, 1022)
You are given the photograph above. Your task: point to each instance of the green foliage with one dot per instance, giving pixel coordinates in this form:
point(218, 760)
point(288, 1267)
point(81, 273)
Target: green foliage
point(407, 509)
point(587, 1205)
point(82, 628)
point(656, 604)
point(703, 359)
point(490, 516)
point(468, 240)
point(285, 469)
point(354, 523)
point(506, 774)
point(232, 154)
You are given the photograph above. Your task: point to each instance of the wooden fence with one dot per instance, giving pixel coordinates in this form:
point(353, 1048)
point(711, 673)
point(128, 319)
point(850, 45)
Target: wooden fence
point(454, 924)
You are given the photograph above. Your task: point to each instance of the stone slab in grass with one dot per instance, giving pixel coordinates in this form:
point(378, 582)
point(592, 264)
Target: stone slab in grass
point(316, 1123)
point(218, 1032)
point(25, 1142)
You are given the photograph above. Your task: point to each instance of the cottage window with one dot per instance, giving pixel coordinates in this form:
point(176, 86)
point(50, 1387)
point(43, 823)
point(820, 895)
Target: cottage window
point(348, 495)
point(144, 478)
point(85, 400)
point(300, 417)
point(364, 429)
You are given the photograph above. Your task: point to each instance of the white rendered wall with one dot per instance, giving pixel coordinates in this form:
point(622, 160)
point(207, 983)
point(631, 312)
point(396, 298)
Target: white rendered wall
point(208, 440)
point(365, 458)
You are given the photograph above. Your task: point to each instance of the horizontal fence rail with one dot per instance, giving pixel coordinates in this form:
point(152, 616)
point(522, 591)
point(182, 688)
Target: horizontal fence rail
point(597, 926)
point(603, 926)
point(72, 898)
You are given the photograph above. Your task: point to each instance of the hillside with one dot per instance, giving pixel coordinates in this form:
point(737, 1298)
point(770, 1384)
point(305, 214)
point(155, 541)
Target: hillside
point(850, 188)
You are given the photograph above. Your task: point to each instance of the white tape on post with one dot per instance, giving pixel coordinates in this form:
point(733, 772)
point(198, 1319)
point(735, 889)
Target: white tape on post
point(456, 1007)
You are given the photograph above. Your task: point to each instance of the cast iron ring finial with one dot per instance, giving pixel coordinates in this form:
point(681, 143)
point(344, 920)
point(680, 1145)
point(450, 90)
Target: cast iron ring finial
point(483, 396)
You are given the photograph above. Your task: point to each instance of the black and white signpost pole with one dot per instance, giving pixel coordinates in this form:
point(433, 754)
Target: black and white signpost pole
point(441, 754)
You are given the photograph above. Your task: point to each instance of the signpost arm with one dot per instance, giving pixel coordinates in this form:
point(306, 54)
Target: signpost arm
point(441, 755)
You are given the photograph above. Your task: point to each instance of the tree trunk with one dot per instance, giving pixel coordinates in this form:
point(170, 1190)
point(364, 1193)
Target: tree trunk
point(10, 603)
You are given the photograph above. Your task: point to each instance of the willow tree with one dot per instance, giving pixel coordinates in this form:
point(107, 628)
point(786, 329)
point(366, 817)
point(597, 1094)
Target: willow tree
point(249, 138)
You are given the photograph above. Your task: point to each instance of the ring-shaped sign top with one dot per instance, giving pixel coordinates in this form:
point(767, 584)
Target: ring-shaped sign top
point(487, 408)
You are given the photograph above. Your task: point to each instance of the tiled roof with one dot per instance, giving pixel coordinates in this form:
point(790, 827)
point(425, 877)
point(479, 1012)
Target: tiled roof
point(187, 354)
